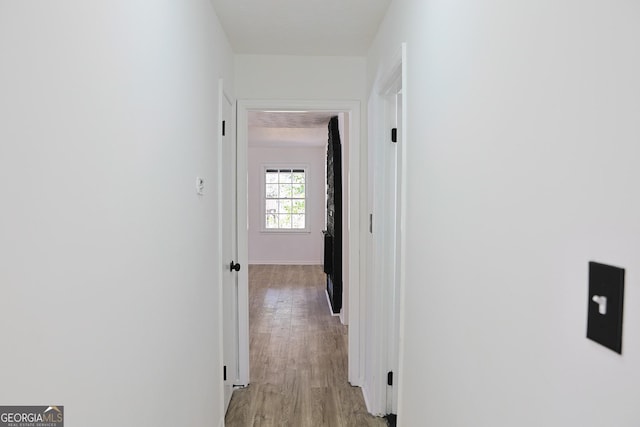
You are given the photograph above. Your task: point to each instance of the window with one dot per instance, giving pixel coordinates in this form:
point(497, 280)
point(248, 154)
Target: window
point(285, 199)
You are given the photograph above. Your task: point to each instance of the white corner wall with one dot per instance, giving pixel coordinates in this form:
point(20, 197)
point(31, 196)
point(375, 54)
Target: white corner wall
point(287, 248)
point(523, 128)
point(108, 292)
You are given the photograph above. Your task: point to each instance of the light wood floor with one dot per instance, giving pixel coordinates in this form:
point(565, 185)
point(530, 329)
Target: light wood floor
point(298, 356)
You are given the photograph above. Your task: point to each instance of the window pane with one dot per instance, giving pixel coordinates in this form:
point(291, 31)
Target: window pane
point(272, 191)
point(285, 190)
point(284, 220)
point(271, 221)
point(285, 199)
point(298, 207)
point(271, 206)
point(298, 177)
point(284, 206)
point(297, 221)
point(271, 177)
point(297, 191)
point(285, 176)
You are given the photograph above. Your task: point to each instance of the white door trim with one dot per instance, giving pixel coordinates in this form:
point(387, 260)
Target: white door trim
point(226, 221)
point(385, 273)
point(396, 84)
point(355, 222)
point(403, 229)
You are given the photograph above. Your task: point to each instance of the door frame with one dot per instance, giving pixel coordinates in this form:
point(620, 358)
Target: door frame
point(394, 224)
point(386, 243)
point(355, 224)
point(228, 325)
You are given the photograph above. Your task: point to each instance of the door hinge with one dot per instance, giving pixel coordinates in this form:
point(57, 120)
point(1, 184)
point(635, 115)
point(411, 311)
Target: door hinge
point(224, 125)
point(390, 378)
point(371, 223)
point(224, 373)
point(394, 135)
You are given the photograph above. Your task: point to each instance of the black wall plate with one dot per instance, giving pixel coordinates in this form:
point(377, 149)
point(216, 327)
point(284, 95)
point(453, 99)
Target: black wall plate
point(606, 301)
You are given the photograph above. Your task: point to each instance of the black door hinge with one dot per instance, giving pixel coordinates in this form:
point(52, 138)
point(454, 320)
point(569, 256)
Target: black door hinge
point(390, 378)
point(224, 373)
point(394, 135)
point(224, 123)
point(371, 223)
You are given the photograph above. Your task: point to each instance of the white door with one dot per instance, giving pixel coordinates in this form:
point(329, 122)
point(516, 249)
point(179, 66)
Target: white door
point(229, 250)
point(383, 253)
point(393, 213)
point(394, 209)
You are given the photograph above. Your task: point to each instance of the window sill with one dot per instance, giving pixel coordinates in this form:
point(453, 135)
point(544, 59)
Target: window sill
point(284, 231)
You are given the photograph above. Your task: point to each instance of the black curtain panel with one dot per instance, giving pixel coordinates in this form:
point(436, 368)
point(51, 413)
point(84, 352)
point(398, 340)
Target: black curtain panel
point(333, 233)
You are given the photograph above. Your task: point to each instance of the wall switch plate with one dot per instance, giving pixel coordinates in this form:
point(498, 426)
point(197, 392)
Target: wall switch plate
point(606, 301)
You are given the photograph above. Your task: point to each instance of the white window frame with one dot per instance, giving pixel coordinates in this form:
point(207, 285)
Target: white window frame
point(263, 202)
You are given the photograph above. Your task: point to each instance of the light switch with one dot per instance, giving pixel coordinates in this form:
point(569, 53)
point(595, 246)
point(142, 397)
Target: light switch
point(606, 301)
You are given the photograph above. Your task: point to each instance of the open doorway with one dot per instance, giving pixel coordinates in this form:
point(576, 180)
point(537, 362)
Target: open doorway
point(350, 313)
point(296, 193)
point(284, 178)
point(286, 186)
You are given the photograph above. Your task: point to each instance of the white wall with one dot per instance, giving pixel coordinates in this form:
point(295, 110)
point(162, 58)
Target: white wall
point(287, 248)
point(108, 257)
point(522, 166)
point(300, 77)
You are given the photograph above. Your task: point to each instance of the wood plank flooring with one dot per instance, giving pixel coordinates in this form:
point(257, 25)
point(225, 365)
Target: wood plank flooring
point(298, 356)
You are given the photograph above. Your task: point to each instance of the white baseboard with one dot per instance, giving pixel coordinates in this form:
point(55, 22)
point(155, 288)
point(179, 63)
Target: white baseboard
point(366, 400)
point(368, 404)
point(329, 304)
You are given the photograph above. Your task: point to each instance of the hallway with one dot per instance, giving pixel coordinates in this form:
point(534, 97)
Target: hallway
point(298, 356)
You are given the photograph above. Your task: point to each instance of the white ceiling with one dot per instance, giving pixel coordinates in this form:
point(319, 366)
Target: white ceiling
point(288, 129)
point(301, 27)
point(288, 137)
point(279, 119)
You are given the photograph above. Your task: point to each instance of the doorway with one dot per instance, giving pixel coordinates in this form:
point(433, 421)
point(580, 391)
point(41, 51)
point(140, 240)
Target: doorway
point(351, 310)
